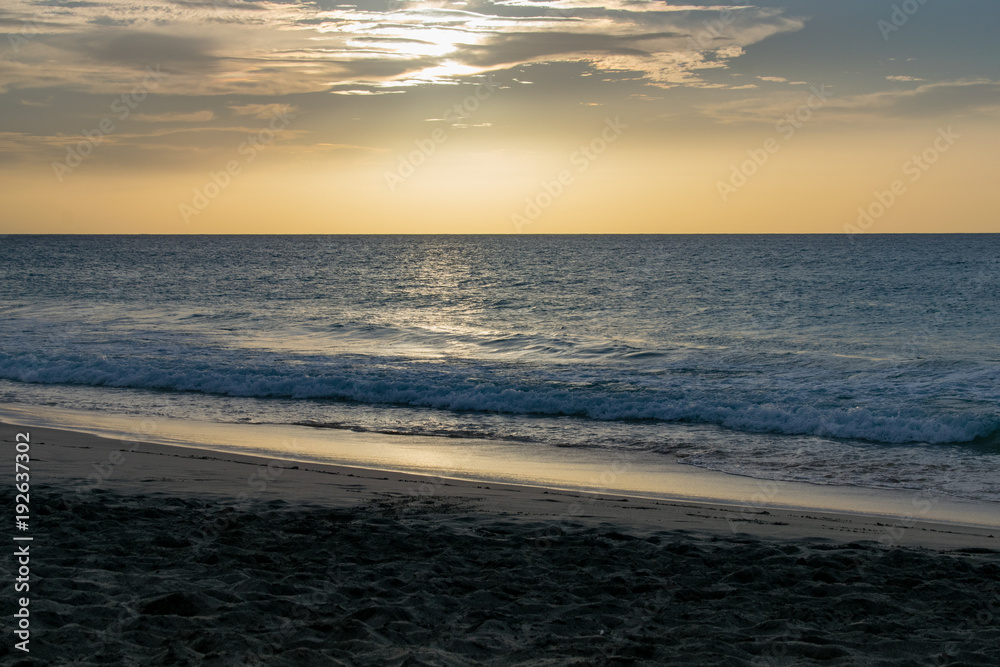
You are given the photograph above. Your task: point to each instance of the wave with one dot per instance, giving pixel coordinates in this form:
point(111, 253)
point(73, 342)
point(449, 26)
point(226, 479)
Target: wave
point(495, 388)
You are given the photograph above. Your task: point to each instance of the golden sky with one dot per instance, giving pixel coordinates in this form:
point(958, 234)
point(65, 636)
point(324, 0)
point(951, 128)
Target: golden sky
point(510, 116)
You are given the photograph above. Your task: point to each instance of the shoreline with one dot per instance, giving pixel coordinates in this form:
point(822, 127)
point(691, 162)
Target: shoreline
point(82, 462)
point(634, 473)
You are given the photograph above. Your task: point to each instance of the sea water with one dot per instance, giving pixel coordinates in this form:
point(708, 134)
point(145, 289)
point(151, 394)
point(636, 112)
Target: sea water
point(869, 361)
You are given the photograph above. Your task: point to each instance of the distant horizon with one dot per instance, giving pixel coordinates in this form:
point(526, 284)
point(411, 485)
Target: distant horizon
point(830, 234)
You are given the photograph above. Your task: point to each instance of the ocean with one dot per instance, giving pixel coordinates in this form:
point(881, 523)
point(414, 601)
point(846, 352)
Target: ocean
point(867, 361)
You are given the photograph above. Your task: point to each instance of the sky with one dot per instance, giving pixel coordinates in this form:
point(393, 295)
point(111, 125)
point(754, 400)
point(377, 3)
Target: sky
point(499, 116)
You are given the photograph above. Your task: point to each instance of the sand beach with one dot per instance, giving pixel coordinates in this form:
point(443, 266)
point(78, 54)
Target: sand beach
point(181, 556)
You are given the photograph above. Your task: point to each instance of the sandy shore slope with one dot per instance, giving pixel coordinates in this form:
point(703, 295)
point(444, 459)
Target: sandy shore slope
point(148, 554)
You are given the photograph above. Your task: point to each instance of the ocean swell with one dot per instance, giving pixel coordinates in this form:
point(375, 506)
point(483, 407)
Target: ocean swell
point(747, 405)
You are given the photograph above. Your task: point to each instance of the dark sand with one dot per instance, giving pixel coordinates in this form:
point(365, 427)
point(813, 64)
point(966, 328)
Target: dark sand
point(184, 557)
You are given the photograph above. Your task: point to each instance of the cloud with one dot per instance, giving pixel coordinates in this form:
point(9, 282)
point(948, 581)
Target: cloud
point(47, 102)
point(68, 4)
point(944, 99)
point(277, 47)
point(216, 5)
point(264, 110)
point(140, 49)
point(362, 91)
point(110, 22)
point(936, 99)
point(506, 49)
point(346, 147)
point(176, 117)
